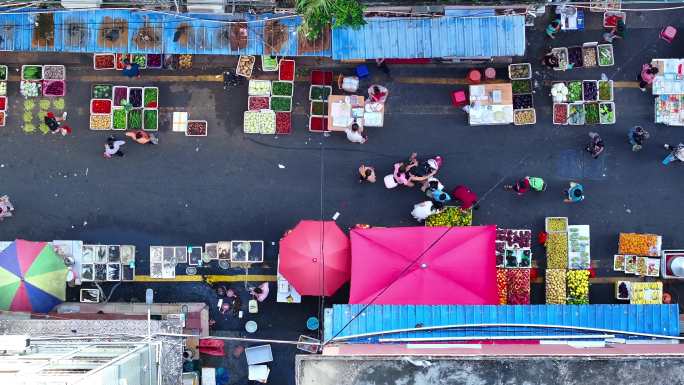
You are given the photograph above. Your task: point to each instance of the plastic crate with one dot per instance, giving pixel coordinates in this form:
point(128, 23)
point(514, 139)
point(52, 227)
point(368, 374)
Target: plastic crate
point(601, 120)
point(54, 65)
point(612, 54)
point(92, 102)
point(242, 58)
point(529, 71)
point(534, 113)
point(125, 118)
point(253, 82)
point(156, 127)
point(32, 65)
point(546, 224)
point(283, 97)
point(612, 90)
point(6, 73)
point(3, 118)
point(206, 125)
point(561, 51)
point(48, 82)
point(581, 107)
point(566, 113)
point(90, 122)
point(265, 67)
point(294, 69)
point(249, 99)
point(156, 101)
point(312, 88)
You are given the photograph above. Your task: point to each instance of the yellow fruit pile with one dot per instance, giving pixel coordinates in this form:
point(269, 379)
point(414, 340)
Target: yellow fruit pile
point(555, 286)
point(638, 244)
point(649, 293)
point(557, 251)
point(578, 287)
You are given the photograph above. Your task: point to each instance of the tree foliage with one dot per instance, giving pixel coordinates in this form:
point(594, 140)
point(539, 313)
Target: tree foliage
point(319, 14)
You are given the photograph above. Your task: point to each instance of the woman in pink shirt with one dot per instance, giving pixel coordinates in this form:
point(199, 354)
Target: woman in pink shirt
point(646, 76)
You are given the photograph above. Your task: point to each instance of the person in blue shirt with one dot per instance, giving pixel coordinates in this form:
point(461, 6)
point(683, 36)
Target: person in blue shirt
point(575, 193)
point(132, 70)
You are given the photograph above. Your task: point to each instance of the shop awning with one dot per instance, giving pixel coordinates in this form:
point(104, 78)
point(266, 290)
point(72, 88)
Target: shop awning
point(457, 266)
point(446, 36)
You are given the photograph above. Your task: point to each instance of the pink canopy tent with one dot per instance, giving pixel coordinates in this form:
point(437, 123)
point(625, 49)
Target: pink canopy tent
point(459, 269)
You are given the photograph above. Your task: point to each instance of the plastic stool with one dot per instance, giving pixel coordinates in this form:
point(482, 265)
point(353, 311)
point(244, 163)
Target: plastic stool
point(490, 73)
point(312, 323)
point(474, 76)
point(362, 71)
point(459, 98)
point(668, 33)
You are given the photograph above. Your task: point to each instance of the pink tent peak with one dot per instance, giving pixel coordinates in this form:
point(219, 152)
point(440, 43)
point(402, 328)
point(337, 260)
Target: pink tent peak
point(459, 269)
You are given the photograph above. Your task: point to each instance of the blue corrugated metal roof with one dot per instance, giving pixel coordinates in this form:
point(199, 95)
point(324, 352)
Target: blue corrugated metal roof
point(651, 319)
point(446, 36)
point(153, 32)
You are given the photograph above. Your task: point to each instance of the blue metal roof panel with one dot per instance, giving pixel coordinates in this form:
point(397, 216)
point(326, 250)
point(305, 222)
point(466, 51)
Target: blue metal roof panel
point(469, 12)
point(653, 319)
point(206, 33)
point(446, 36)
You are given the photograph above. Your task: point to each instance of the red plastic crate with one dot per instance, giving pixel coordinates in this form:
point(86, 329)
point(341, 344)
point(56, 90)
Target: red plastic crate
point(321, 78)
point(283, 122)
point(318, 124)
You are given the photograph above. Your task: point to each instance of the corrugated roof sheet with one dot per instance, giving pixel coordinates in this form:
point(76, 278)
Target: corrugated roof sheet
point(156, 32)
point(653, 319)
point(445, 36)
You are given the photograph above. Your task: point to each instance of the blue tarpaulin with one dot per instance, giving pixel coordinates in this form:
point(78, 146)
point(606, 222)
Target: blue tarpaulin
point(138, 31)
point(650, 319)
point(431, 37)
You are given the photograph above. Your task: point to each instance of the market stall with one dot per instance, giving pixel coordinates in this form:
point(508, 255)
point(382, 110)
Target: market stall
point(568, 261)
point(580, 102)
point(668, 86)
point(119, 107)
point(520, 75)
point(588, 55)
point(513, 260)
point(491, 104)
point(571, 18)
point(344, 110)
point(269, 103)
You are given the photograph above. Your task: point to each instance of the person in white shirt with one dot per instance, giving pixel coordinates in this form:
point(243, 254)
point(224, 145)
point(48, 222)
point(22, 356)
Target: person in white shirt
point(113, 147)
point(423, 210)
point(355, 134)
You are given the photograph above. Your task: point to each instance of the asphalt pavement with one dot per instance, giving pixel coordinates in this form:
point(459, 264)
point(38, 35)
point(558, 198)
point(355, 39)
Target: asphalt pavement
point(235, 186)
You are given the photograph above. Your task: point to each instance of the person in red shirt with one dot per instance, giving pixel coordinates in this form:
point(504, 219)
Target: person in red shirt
point(467, 197)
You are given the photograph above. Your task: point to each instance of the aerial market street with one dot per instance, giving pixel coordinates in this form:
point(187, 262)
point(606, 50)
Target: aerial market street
point(232, 185)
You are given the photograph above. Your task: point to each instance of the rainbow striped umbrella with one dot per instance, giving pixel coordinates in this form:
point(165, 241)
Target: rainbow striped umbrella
point(32, 277)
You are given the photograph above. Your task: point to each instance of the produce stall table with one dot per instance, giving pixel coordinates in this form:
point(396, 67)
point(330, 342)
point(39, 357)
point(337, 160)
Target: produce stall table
point(343, 109)
point(491, 104)
point(670, 78)
point(579, 257)
point(571, 18)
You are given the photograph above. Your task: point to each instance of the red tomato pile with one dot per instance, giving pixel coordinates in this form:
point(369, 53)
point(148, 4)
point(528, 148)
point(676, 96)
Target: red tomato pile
point(518, 283)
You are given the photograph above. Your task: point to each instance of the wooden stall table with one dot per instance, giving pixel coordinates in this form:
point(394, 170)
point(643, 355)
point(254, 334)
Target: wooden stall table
point(670, 77)
point(491, 104)
point(340, 108)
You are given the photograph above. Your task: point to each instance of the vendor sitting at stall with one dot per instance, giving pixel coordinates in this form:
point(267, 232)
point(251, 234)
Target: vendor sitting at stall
point(377, 93)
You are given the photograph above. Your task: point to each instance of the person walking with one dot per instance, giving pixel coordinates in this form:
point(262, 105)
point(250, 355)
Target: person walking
point(113, 147)
point(56, 124)
point(554, 27)
point(522, 186)
point(366, 174)
point(574, 194)
point(647, 75)
point(466, 196)
point(132, 70)
point(596, 145)
point(6, 207)
point(424, 209)
point(260, 292)
point(637, 136)
point(617, 32)
point(142, 137)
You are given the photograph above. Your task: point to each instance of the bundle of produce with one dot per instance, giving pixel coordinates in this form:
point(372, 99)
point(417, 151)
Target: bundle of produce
point(287, 70)
point(31, 72)
point(154, 60)
point(259, 87)
point(518, 286)
point(120, 119)
point(556, 224)
point(135, 96)
point(102, 91)
point(245, 65)
point(562, 55)
point(3, 72)
point(576, 57)
point(605, 90)
point(576, 114)
point(521, 86)
point(574, 91)
point(559, 92)
point(100, 106)
point(589, 56)
point(641, 266)
point(54, 72)
point(281, 103)
point(29, 89)
point(256, 103)
point(135, 119)
point(100, 122)
point(54, 88)
point(519, 71)
point(120, 95)
point(103, 61)
point(639, 244)
point(282, 88)
point(578, 287)
point(3, 88)
point(630, 264)
point(451, 216)
point(319, 108)
point(526, 116)
point(196, 128)
point(591, 113)
point(150, 120)
point(622, 289)
point(607, 113)
point(269, 63)
point(646, 293)
point(589, 90)
point(501, 286)
point(259, 122)
point(319, 92)
point(151, 97)
point(555, 287)
point(514, 238)
point(140, 60)
point(185, 62)
point(557, 251)
point(560, 113)
point(605, 52)
point(619, 262)
point(283, 122)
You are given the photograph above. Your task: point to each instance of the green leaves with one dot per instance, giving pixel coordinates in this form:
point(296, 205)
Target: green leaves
point(319, 14)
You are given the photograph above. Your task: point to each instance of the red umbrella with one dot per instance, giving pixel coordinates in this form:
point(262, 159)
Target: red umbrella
point(315, 257)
